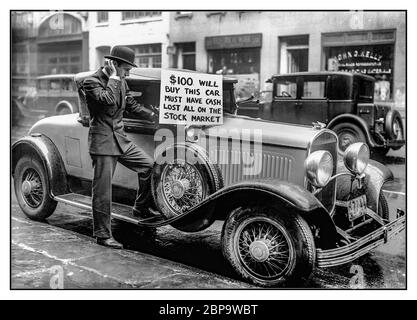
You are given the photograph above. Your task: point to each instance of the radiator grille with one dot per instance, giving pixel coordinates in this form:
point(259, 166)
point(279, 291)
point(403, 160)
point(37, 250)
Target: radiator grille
point(238, 166)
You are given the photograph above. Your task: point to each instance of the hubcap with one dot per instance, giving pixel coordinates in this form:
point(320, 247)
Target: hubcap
point(26, 187)
point(179, 188)
point(259, 251)
point(32, 188)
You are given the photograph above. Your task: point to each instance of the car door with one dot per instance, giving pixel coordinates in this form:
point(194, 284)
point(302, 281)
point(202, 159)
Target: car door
point(285, 100)
point(141, 132)
point(313, 103)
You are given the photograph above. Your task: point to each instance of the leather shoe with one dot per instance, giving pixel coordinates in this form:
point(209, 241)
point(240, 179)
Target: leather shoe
point(110, 242)
point(144, 213)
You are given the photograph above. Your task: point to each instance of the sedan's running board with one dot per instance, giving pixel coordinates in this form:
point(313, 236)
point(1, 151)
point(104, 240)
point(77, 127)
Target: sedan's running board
point(119, 211)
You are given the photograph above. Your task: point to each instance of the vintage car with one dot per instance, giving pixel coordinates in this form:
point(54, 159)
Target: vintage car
point(288, 202)
point(343, 101)
point(54, 94)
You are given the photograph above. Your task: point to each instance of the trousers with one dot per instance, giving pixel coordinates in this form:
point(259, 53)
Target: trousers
point(104, 165)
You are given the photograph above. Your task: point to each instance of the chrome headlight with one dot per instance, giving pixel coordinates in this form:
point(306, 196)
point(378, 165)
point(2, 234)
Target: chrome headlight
point(356, 157)
point(319, 168)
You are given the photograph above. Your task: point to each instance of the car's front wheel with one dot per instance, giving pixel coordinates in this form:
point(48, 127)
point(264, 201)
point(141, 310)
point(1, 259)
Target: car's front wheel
point(32, 189)
point(269, 248)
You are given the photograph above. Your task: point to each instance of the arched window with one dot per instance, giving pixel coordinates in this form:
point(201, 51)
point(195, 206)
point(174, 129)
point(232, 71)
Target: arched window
point(60, 24)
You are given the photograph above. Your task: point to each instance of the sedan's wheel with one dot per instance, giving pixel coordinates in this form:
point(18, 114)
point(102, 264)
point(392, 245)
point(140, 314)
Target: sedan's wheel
point(269, 248)
point(32, 189)
point(348, 134)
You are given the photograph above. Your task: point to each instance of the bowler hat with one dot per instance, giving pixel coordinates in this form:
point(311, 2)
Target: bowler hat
point(123, 54)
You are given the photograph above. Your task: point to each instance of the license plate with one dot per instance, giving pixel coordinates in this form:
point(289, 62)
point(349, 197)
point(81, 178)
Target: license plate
point(356, 207)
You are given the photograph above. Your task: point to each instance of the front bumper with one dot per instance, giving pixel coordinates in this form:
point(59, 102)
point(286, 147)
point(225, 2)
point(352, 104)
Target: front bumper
point(334, 257)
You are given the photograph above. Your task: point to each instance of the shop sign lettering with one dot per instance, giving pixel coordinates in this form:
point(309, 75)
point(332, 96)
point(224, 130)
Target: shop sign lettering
point(358, 54)
point(362, 61)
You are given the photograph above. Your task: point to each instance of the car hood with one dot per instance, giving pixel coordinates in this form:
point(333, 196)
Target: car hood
point(273, 133)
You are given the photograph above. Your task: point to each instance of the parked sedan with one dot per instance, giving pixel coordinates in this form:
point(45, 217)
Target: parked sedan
point(288, 202)
point(53, 94)
point(342, 101)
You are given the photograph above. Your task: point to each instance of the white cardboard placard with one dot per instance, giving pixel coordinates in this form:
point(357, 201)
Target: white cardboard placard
point(189, 98)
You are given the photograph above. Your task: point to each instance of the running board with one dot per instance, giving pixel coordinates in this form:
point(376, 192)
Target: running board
point(119, 211)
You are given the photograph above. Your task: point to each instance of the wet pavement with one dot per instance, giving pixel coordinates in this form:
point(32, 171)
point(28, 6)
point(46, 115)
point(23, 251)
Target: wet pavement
point(170, 259)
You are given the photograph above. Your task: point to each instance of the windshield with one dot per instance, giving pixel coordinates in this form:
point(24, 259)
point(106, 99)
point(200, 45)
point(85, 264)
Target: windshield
point(148, 94)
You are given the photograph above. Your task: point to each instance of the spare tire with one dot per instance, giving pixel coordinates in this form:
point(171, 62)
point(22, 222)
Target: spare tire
point(181, 183)
point(394, 126)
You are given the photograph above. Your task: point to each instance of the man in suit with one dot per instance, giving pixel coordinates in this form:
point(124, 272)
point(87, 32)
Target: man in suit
point(107, 96)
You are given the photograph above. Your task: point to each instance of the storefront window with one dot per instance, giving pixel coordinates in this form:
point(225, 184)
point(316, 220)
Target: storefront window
point(184, 57)
point(102, 16)
point(133, 15)
point(148, 55)
point(293, 54)
point(374, 60)
point(234, 61)
point(237, 56)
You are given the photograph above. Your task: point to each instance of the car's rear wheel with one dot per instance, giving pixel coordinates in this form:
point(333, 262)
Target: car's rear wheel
point(32, 189)
point(269, 248)
point(348, 134)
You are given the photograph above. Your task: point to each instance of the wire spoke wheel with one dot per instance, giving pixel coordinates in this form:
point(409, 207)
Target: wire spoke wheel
point(32, 188)
point(264, 248)
point(267, 247)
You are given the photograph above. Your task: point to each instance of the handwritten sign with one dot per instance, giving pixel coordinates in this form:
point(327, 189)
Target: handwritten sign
point(189, 98)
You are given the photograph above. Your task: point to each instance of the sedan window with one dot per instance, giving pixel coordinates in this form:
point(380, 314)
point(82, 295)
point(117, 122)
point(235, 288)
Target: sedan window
point(314, 89)
point(286, 88)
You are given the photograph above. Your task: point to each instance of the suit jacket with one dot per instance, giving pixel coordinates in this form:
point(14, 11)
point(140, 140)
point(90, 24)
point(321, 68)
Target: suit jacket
point(107, 99)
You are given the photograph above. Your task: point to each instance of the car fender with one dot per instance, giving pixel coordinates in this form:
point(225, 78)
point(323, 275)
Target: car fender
point(376, 174)
point(355, 120)
point(42, 147)
point(282, 195)
point(64, 103)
